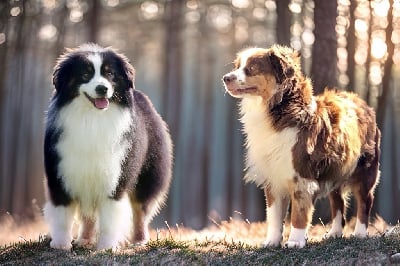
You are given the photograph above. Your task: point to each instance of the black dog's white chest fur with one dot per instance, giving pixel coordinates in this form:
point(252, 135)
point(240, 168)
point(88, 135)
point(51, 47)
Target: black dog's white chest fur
point(92, 148)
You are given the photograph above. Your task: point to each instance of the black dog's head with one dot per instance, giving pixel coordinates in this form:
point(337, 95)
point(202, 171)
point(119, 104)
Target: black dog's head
point(94, 74)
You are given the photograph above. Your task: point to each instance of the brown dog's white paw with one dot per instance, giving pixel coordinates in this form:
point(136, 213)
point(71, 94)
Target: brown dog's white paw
point(360, 230)
point(297, 238)
point(273, 240)
point(333, 234)
point(295, 244)
point(270, 243)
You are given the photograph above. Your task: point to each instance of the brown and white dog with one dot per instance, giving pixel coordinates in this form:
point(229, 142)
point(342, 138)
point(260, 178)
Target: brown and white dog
point(301, 147)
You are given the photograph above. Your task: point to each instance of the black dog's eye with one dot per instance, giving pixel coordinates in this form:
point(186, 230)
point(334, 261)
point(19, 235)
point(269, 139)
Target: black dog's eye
point(107, 71)
point(86, 76)
point(109, 74)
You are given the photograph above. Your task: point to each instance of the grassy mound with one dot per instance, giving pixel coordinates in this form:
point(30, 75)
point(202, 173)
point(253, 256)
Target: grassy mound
point(227, 243)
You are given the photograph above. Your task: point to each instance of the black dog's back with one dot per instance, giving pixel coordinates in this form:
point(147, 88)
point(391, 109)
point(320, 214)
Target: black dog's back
point(153, 145)
point(153, 139)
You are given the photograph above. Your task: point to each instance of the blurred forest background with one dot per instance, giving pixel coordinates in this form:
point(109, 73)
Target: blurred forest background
point(181, 49)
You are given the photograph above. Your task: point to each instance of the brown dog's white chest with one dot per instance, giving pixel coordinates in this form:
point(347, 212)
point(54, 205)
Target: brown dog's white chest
point(269, 152)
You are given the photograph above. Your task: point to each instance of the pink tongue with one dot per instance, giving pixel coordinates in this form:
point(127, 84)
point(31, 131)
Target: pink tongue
point(101, 103)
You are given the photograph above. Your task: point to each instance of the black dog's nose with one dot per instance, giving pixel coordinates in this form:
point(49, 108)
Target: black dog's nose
point(229, 78)
point(101, 90)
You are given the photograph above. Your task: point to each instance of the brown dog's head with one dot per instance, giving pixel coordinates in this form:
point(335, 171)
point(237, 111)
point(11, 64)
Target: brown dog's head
point(260, 72)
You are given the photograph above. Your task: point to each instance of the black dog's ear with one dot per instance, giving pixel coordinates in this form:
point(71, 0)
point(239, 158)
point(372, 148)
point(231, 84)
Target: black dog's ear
point(59, 75)
point(56, 77)
point(128, 69)
point(280, 68)
point(130, 73)
point(62, 70)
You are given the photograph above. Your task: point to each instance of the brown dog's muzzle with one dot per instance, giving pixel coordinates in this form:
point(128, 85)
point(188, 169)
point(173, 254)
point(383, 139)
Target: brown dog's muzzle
point(229, 78)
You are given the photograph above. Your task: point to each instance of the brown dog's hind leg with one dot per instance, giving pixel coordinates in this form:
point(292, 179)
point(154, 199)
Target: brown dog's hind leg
point(365, 178)
point(337, 214)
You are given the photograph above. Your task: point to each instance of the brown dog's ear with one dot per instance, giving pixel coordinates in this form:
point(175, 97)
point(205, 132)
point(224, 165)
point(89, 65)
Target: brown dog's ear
point(276, 67)
point(280, 68)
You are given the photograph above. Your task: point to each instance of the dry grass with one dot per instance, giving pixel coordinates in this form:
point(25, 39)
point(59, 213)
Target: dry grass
point(20, 230)
point(253, 234)
point(233, 242)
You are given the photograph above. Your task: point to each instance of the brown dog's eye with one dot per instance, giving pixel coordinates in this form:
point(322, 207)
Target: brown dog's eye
point(250, 70)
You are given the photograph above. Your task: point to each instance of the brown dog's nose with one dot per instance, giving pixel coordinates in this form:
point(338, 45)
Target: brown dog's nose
point(229, 78)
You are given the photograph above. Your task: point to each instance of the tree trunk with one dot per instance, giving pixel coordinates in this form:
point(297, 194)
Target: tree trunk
point(368, 62)
point(4, 179)
point(387, 70)
point(351, 47)
point(283, 22)
point(4, 16)
point(93, 20)
point(173, 64)
point(324, 56)
point(172, 92)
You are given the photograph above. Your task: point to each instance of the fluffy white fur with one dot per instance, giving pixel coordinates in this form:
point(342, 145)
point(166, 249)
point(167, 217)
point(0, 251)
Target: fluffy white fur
point(268, 150)
point(99, 174)
point(60, 220)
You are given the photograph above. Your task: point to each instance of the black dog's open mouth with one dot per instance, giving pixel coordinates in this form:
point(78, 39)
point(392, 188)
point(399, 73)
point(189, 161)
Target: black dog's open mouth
point(99, 103)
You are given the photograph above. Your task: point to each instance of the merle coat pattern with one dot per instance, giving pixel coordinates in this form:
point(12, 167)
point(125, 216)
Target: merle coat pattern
point(302, 146)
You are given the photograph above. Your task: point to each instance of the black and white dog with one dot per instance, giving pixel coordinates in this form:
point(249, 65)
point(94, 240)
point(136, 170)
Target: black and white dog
point(108, 154)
